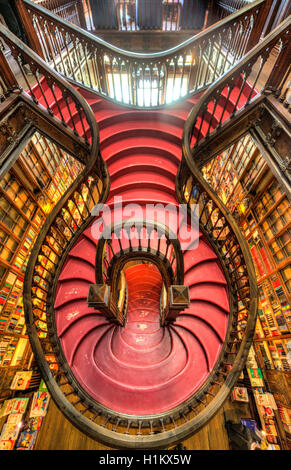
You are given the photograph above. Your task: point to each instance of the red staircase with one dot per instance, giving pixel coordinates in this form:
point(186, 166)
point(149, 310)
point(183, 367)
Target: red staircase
point(142, 368)
point(124, 384)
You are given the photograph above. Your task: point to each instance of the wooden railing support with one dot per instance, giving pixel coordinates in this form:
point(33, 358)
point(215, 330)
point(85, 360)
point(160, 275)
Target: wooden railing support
point(98, 65)
point(7, 75)
point(280, 69)
point(259, 25)
point(29, 28)
point(81, 14)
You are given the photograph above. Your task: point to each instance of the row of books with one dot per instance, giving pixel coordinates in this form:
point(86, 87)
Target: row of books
point(263, 219)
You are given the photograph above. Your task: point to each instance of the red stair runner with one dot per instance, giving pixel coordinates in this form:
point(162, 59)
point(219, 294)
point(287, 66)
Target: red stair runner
point(142, 368)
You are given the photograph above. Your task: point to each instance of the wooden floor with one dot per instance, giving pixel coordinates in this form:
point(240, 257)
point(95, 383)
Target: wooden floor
point(57, 433)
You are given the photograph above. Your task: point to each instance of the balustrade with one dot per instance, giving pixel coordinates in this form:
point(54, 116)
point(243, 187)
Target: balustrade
point(260, 72)
point(212, 54)
point(146, 80)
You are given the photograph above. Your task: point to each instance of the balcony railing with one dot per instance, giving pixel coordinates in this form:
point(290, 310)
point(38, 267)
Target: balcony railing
point(224, 8)
point(73, 213)
point(68, 10)
point(145, 80)
point(145, 15)
point(265, 69)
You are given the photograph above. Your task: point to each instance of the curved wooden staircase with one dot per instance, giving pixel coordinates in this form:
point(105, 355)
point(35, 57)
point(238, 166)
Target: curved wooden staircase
point(130, 372)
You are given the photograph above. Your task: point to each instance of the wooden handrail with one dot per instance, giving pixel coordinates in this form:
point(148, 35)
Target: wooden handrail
point(169, 261)
point(49, 80)
point(60, 232)
point(227, 91)
point(146, 80)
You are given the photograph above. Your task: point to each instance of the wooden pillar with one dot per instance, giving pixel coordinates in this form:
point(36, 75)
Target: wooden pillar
point(280, 69)
point(259, 25)
point(81, 14)
point(210, 15)
point(7, 75)
point(31, 34)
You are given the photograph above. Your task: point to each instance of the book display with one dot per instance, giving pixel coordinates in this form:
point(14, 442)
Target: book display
point(21, 418)
point(243, 181)
point(28, 193)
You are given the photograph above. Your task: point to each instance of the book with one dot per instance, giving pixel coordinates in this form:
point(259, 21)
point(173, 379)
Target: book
point(34, 424)
point(240, 394)
point(11, 428)
point(26, 440)
point(7, 408)
point(6, 444)
point(42, 386)
point(255, 376)
point(21, 380)
point(20, 405)
point(39, 404)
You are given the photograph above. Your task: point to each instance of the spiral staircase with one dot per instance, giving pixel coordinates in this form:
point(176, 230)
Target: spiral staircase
point(148, 335)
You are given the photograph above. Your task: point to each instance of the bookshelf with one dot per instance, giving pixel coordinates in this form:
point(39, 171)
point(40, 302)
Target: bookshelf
point(247, 187)
point(28, 192)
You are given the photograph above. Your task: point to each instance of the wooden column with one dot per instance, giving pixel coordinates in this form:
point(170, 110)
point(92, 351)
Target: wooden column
point(259, 25)
point(31, 34)
point(81, 14)
point(7, 75)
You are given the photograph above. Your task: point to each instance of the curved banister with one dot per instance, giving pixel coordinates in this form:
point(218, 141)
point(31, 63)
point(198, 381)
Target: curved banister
point(144, 246)
point(110, 260)
point(211, 109)
point(47, 80)
point(60, 232)
point(216, 221)
point(146, 80)
point(203, 35)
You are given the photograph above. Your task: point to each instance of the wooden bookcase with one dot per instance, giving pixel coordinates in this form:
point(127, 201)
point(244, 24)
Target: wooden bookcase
point(246, 185)
point(28, 192)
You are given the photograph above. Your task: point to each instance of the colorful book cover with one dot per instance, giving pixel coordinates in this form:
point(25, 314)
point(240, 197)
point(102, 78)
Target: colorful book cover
point(34, 424)
point(39, 404)
point(21, 380)
point(42, 386)
point(267, 411)
point(255, 376)
point(240, 394)
point(26, 440)
point(249, 423)
point(14, 419)
point(20, 405)
point(6, 445)
point(262, 399)
point(11, 429)
point(7, 408)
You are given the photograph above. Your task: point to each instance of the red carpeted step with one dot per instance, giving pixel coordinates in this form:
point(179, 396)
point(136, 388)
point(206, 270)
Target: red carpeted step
point(142, 368)
point(164, 366)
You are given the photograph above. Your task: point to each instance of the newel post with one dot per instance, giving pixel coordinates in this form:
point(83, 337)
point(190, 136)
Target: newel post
point(100, 298)
point(81, 14)
point(7, 75)
point(30, 32)
point(178, 300)
point(259, 25)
